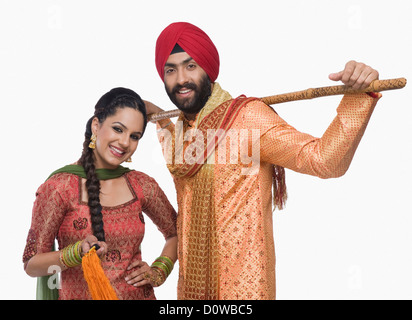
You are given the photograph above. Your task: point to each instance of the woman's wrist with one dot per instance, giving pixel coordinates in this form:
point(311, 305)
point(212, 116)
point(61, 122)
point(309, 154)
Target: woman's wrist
point(71, 256)
point(161, 267)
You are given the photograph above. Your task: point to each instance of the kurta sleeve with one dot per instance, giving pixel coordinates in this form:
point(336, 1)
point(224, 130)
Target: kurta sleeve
point(157, 207)
point(325, 157)
point(48, 213)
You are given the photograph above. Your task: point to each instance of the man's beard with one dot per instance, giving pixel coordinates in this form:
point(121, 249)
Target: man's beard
point(195, 104)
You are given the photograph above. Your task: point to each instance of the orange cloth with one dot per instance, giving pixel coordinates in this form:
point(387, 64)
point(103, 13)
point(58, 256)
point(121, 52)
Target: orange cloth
point(99, 285)
point(242, 203)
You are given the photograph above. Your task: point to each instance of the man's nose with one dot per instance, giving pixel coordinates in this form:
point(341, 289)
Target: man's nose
point(182, 77)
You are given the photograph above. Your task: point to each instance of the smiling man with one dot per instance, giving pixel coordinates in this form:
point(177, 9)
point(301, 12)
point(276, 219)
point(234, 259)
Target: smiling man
point(225, 230)
point(189, 96)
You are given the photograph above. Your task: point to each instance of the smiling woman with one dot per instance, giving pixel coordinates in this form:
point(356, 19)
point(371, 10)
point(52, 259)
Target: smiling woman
point(97, 201)
point(117, 137)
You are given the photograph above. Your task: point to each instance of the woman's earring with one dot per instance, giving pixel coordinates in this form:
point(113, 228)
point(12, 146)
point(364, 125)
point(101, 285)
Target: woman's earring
point(129, 159)
point(92, 144)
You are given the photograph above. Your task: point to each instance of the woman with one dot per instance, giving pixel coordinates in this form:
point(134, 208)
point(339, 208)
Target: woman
point(97, 201)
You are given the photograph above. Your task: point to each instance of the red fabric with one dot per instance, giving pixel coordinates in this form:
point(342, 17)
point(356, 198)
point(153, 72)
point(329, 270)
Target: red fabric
point(58, 212)
point(194, 41)
point(373, 94)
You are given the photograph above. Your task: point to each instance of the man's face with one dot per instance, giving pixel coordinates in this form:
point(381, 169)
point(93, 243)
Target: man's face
point(187, 84)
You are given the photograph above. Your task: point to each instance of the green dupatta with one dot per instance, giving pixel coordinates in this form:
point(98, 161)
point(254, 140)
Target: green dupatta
point(43, 290)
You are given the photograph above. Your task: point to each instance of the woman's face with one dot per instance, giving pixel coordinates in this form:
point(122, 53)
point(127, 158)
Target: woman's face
point(117, 137)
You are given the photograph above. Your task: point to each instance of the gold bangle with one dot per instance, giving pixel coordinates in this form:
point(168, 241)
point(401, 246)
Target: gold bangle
point(158, 279)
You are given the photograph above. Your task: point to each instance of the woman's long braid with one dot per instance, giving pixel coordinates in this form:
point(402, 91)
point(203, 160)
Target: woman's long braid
point(107, 106)
point(93, 190)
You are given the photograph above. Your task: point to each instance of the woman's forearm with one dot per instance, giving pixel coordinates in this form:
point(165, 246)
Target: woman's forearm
point(170, 248)
point(44, 264)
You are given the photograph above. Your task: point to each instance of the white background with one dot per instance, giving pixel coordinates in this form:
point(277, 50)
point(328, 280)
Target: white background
point(346, 238)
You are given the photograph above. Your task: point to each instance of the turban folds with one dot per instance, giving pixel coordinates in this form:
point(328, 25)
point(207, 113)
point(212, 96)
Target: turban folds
point(195, 42)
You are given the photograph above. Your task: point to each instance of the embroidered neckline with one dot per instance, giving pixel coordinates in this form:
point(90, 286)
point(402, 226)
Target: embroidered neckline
point(108, 208)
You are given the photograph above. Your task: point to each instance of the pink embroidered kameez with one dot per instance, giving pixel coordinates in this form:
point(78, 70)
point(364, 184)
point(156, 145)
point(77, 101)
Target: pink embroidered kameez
point(60, 213)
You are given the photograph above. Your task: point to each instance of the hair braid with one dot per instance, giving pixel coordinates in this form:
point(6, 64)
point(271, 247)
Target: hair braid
point(93, 191)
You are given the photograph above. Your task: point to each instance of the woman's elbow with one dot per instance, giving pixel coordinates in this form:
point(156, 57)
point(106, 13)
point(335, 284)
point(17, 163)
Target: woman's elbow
point(36, 268)
point(29, 270)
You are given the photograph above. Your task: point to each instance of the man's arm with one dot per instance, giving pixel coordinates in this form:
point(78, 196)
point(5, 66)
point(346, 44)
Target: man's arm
point(161, 124)
point(330, 155)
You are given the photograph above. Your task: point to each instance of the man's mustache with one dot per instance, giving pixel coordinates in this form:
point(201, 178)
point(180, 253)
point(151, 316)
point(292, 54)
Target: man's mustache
point(188, 85)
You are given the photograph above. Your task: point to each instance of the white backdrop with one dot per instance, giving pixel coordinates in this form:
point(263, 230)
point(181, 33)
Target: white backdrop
point(346, 238)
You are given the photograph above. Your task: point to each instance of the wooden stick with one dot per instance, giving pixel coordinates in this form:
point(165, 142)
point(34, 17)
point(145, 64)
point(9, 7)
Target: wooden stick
point(375, 86)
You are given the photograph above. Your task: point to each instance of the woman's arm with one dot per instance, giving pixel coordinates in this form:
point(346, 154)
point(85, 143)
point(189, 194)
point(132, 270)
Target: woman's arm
point(158, 208)
point(40, 264)
point(145, 274)
point(170, 248)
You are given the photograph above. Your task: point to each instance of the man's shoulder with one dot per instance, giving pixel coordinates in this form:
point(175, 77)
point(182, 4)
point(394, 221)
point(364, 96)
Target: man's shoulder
point(254, 106)
point(254, 113)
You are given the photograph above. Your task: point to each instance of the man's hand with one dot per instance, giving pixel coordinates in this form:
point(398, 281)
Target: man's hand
point(356, 75)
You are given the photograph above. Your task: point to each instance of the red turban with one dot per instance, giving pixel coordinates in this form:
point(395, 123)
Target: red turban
point(193, 41)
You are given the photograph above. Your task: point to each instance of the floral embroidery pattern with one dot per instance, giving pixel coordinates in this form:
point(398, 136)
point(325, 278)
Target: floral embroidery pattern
point(31, 249)
point(80, 223)
point(113, 256)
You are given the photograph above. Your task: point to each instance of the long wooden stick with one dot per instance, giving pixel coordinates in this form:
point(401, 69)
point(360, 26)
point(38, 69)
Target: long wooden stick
point(375, 86)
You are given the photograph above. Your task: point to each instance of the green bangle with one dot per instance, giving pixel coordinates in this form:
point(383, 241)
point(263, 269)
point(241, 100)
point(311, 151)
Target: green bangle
point(163, 266)
point(78, 251)
point(70, 256)
point(167, 262)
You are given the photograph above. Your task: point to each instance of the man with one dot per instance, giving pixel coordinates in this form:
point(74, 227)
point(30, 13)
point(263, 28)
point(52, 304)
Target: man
point(225, 231)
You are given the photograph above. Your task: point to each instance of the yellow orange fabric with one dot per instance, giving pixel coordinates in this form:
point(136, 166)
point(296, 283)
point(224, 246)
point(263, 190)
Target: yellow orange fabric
point(99, 285)
point(238, 206)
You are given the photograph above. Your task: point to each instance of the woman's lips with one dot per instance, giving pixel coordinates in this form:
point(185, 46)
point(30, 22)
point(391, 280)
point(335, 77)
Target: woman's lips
point(116, 151)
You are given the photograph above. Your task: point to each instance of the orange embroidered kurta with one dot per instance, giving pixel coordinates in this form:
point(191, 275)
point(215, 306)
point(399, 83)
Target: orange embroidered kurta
point(243, 260)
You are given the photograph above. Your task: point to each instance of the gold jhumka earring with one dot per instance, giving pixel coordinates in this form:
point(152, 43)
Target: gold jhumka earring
point(129, 159)
point(92, 144)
